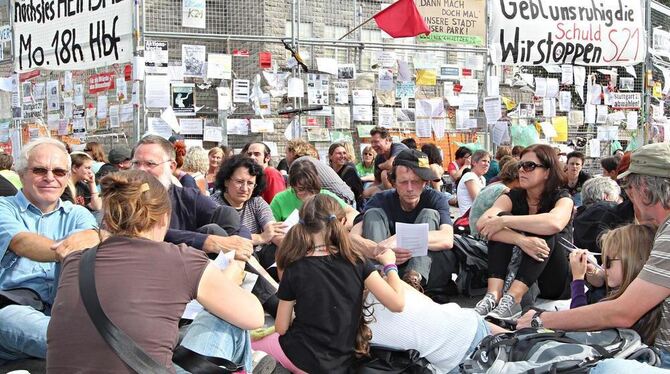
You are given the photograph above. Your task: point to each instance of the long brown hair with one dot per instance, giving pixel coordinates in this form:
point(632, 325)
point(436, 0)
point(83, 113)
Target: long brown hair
point(97, 151)
point(632, 245)
point(549, 160)
point(323, 214)
point(319, 214)
point(133, 202)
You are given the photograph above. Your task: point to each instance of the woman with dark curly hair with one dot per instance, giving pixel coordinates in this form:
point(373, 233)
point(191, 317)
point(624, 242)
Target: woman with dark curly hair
point(238, 184)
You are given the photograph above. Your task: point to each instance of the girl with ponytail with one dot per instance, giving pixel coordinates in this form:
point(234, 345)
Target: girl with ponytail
point(322, 281)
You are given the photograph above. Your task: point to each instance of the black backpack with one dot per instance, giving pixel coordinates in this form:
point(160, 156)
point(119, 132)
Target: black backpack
point(539, 351)
point(472, 257)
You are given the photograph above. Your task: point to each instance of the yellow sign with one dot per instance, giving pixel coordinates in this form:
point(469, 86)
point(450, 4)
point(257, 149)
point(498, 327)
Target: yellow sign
point(561, 126)
point(426, 77)
point(454, 21)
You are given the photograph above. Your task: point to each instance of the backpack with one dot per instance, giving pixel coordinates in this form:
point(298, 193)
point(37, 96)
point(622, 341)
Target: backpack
point(538, 351)
point(473, 260)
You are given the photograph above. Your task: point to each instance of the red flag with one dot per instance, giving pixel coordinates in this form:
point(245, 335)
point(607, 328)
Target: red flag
point(401, 19)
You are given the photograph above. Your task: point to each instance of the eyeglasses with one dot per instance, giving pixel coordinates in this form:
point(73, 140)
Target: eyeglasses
point(240, 183)
point(147, 164)
point(529, 166)
point(58, 172)
point(608, 262)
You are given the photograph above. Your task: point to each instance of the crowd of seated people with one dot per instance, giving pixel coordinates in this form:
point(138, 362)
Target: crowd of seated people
point(245, 242)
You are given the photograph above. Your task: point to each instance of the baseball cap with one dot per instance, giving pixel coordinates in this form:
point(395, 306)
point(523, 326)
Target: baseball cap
point(652, 159)
point(118, 155)
point(417, 161)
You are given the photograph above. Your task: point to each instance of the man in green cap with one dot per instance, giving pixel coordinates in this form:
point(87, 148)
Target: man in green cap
point(647, 183)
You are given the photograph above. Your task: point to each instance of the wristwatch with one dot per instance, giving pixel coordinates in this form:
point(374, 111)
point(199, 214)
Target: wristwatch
point(536, 322)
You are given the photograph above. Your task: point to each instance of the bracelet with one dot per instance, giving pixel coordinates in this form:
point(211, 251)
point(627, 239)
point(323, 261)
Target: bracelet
point(390, 267)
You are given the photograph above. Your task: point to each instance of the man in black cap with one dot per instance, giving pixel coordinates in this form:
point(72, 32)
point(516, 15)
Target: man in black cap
point(410, 202)
point(119, 159)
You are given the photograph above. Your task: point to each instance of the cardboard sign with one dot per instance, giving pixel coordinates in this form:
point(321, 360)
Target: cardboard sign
point(454, 21)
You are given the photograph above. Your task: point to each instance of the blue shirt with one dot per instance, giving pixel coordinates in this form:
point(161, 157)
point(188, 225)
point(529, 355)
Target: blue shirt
point(18, 215)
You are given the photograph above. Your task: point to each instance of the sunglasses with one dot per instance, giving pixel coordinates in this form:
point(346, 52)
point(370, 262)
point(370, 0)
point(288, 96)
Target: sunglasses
point(608, 262)
point(529, 166)
point(60, 173)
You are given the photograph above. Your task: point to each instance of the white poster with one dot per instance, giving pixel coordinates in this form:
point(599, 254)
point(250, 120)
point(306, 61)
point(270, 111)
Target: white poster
point(193, 60)
point(191, 126)
point(155, 57)
point(610, 32)
point(219, 66)
point(157, 91)
point(86, 36)
point(194, 14)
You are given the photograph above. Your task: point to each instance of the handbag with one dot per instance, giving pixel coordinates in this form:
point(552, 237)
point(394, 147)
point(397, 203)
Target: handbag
point(125, 347)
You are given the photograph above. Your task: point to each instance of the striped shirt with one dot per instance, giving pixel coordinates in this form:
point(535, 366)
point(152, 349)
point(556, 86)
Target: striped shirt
point(657, 271)
point(254, 215)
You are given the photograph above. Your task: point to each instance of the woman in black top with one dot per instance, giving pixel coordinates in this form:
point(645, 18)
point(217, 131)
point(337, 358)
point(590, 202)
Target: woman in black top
point(534, 218)
point(339, 161)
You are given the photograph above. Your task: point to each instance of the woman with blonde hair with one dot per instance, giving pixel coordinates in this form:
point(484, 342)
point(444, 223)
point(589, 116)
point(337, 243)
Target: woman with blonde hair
point(143, 285)
point(625, 251)
point(196, 165)
point(216, 158)
point(366, 168)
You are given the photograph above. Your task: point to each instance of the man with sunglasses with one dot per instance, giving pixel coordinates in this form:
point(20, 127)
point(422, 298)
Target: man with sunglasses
point(31, 223)
point(647, 183)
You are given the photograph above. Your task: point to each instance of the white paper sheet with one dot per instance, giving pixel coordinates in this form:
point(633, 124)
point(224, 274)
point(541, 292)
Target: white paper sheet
point(492, 109)
point(361, 97)
point(291, 220)
point(296, 88)
point(219, 66)
point(579, 73)
point(594, 148)
point(540, 87)
point(500, 132)
point(549, 107)
point(404, 74)
point(548, 130)
point(631, 120)
point(224, 98)
point(589, 113)
point(565, 101)
point(318, 87)
point(492, 85)
point(191, 126)
point(566, 74)
point(470, 85)
point(170, 118)
point(262, 125)
point(212, 134)
point(385, 117)
point(102, 107)
point(237, 126)
point(601, 114)
point(385, 80)
point(241, 90)
point(327, 65)
point(126, 112)
point(412, 237)
point(157, 88)
point(362, 113)
point(552, 87)
point(341, 89)
point(469, 101)
point(159, 127)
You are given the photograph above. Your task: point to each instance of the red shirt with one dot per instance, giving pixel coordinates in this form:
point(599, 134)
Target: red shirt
point(274, 184)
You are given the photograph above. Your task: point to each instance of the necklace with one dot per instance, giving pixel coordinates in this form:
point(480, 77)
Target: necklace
point(321, 248)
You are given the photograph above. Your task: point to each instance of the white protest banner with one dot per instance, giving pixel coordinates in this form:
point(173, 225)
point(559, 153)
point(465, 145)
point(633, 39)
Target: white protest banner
point(454, 21)
point(71, 35)
point(592, 33)
point(194, 13)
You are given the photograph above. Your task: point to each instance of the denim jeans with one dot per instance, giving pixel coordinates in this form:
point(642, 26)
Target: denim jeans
point(482, 332)
point(212, 336)
point(23, 333)
point(620, 366)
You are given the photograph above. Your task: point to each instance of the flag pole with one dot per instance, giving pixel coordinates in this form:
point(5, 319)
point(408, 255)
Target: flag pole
point(357, 27)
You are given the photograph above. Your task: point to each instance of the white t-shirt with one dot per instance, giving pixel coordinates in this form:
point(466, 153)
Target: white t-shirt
point(464, 199)
point(442, 334)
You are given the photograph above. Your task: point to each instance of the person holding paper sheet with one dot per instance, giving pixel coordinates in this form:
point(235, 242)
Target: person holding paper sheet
point(136, 214)
point(410, 202)
point(533, 218)
point(473, 181)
